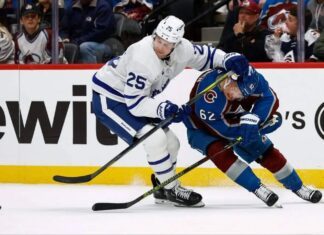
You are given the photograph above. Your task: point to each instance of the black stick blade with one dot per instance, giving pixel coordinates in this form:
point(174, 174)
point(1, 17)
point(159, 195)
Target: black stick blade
point(72, 179)
point(100, 206)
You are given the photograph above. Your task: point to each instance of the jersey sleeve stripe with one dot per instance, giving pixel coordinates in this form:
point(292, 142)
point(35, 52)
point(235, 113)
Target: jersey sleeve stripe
point(130, 96)
point(211, 64)
point(136, 103)
point(108, 88)
point(208, 58)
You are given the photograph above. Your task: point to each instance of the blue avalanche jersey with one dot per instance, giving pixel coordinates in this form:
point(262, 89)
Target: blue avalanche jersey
point(218, 116)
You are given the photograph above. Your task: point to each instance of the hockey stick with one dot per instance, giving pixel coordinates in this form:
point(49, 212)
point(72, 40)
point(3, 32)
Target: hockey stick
point(124, 205)
point(87, 178)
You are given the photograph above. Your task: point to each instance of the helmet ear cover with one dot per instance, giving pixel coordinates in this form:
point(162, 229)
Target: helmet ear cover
point(248, 83)
point(171, 29)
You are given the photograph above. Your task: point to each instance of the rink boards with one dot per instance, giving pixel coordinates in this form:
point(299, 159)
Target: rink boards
point(47, 128)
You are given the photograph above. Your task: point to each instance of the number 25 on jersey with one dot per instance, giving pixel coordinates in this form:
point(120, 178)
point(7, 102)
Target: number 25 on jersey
point(136, 81)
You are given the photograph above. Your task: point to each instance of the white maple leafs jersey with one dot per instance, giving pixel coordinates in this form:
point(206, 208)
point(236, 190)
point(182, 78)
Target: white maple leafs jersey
point(137, 76)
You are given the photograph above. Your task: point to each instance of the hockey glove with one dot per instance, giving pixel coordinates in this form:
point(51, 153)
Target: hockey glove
point(273, 124)
point(236, 63)
point(167, 108)
point(183, 113)
point(249, 128)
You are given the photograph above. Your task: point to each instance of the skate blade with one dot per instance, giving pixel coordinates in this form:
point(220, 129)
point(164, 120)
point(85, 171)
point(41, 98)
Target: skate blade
point(162, 201)
point(165, 201)
point(278, 205)
point(198, 205)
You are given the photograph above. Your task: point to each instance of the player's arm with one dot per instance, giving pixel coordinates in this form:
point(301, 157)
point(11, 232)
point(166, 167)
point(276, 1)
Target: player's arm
point(137, 94)
point(268, 103)
point(138, 99)
point(203, 57)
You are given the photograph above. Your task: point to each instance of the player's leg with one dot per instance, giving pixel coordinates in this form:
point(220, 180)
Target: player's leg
point(275, 162)
point(118, 119)
point(173, 146)
point(163, 163)
point(228, 163)
point(240, 172)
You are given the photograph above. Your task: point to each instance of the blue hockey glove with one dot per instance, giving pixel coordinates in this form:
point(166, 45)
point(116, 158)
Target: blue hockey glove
point(237, 63)
point(249, 128)
point(167, 108)
point(183, 112)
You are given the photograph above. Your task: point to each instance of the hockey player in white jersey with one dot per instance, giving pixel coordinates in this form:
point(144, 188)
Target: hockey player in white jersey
point(125, 89)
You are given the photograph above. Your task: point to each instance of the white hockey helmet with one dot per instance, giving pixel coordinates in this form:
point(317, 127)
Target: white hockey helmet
point(171, 29)
point(6, 47)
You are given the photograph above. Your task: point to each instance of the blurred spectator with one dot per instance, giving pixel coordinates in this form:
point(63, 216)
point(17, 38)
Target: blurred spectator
point(134, 9)
point(318, 49)
point(6, 46)
point(317, 9)
point(45, 7)
point(277, 22)
point(231, 19)
point(247, 37)
point(88, 24)
point(272, 7)
point(33, 45)
point(281, 46)
point(8, 16)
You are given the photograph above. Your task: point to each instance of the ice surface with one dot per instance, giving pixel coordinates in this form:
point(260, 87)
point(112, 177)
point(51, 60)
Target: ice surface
point(66, 209)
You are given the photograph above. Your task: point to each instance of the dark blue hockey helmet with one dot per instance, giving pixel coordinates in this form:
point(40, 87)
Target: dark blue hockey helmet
point(248, 83)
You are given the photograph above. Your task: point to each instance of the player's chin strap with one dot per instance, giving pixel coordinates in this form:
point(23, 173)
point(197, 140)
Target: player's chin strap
point(87, 178)
point(124, 205)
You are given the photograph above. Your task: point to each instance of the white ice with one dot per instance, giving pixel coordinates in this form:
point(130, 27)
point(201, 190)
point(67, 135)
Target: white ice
point(66, 209)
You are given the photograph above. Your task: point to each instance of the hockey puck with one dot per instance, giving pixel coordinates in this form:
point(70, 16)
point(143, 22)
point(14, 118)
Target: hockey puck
point(278, 206)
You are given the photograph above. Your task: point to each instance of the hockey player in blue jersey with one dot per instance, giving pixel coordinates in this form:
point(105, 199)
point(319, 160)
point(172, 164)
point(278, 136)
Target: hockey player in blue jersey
point(125, 96)
point(245, 108)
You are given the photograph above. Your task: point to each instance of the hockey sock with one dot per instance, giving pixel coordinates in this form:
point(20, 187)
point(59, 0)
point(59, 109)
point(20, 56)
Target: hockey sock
point(248, 179)
point(159, 158)
point(292, 181)
point(173, 145)
point(233, 167)
point(275, 162)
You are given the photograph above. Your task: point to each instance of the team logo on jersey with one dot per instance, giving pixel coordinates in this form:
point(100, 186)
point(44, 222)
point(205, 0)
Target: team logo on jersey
point(319, 121)
point(210, 96)
point(32, 59)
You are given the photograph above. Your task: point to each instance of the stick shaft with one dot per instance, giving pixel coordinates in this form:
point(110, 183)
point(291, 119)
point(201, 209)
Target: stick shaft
point(87, 178)
point(113, 206)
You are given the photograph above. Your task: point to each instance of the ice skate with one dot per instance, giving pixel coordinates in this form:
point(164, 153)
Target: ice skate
point(182, 197)
point(159, 195)
point(266, 195)
point(308, 194)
